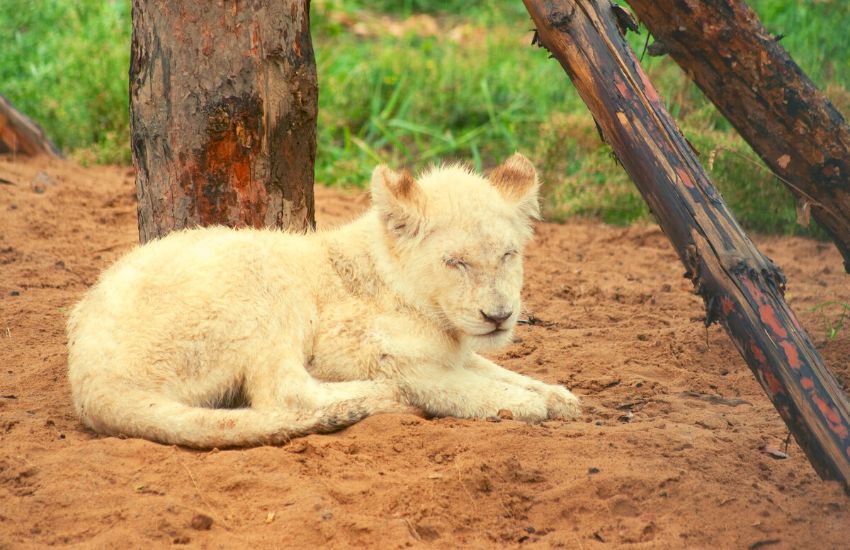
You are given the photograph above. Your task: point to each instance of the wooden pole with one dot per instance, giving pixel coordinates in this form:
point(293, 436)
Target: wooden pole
point(752, 80)
point(742, 289)
point(223, 103)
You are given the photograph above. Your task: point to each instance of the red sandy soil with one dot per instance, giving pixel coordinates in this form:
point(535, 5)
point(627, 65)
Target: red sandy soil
point(657, 461)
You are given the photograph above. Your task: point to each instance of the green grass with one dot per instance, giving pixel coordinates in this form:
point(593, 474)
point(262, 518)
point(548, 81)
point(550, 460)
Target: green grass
point(65, 64)
point(833, 315)
point(414, 82)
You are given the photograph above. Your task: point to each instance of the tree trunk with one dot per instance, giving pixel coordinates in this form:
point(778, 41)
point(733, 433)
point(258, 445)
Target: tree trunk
point(19, 135)
point(742, 289)
point(223, 99)
point(742, 69)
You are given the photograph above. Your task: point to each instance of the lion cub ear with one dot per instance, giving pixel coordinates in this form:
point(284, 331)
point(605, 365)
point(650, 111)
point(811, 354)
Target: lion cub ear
point(516, 180)
point(399, 200)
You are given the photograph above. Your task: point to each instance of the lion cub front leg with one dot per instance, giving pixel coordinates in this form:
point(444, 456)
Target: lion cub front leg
point(460, 392)
point(560, 402)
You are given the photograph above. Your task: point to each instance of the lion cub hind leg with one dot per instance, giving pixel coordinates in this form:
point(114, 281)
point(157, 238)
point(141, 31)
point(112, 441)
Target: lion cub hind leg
point(379, 396)
point(153, 417)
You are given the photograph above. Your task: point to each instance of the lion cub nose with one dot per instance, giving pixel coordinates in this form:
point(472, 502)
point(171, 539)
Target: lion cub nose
point(496, 318)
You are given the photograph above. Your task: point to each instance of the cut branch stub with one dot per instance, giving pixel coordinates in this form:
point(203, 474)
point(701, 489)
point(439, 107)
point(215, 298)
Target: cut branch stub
point(742, 289)
point(20, 135)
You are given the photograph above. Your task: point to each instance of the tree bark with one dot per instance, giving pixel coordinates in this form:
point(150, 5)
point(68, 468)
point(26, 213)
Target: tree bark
point(742, 289)
point(223, 101)
point(745, 72)
point(19, 135)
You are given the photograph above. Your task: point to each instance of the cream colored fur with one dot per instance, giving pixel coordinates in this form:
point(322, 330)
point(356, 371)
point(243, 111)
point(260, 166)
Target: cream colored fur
point(218, 337)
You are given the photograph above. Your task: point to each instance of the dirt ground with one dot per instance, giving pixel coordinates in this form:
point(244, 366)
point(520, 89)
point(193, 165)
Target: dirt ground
point(668, 454)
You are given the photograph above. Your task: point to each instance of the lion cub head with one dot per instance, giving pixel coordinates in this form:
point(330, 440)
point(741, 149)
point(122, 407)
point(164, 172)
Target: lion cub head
point(454, 243)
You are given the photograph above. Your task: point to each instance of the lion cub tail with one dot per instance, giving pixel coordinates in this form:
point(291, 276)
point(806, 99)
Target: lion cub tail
point(156, 418)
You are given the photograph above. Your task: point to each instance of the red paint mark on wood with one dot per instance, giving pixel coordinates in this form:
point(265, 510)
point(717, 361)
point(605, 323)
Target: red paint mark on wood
point(807, 383)
point(831, 415)
point(623, 89)
point(767, 313)
point(753, 289)
point(768, 317)
point(791, 354)
point(771, 381)
point(727, 304)
point(685, 177)
point(757, 353)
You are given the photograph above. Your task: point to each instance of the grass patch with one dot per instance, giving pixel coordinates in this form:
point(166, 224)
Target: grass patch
point(833, 315)
point(415, 82)
point(65, 64)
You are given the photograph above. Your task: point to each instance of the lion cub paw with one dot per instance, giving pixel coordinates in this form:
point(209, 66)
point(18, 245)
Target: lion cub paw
point(524, 404)
point(561, 403)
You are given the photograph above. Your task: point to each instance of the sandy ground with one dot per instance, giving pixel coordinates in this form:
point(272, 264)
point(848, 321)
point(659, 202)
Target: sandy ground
point(667, 455)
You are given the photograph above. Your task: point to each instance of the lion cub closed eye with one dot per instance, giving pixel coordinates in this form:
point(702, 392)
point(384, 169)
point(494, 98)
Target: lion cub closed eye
point(217, 337)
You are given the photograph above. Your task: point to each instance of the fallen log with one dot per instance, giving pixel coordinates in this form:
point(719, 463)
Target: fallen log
point(19, 135)
point(742, 289)
point(745, 72)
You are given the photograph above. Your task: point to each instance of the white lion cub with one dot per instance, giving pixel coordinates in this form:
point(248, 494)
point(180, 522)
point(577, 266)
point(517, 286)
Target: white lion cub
point(218, 337)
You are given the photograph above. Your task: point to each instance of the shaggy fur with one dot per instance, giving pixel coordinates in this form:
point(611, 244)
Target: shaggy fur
point(217, 337)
